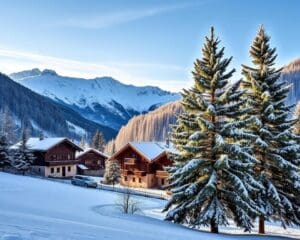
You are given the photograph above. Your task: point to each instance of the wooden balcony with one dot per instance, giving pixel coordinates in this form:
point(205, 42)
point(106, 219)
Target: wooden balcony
point(126, 172)
point(162, 174)
point(129, 161)
point(61, 162)
point(139, 173)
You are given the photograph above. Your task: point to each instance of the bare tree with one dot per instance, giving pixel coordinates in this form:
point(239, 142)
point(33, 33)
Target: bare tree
point(126, 203)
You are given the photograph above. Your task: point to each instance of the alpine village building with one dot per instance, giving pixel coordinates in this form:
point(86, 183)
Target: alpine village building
point(91, 162)
point(142, 164)
point(55, 157)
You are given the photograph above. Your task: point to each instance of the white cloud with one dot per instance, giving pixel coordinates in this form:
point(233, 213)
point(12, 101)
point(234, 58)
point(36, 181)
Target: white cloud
point(13, 61)
point(119, 17)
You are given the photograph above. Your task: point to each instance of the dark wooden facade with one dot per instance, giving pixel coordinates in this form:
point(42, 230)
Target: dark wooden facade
point(94, 161)
point(60, 154)
point(137, 170)
point(57, 161)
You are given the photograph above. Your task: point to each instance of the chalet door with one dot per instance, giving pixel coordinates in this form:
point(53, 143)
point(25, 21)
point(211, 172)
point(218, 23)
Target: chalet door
point(63, 171)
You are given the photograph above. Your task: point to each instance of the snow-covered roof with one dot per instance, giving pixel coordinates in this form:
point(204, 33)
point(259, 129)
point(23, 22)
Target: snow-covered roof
point(91, 149)
point(45, 144)
point(152, 150)
point(82, 166)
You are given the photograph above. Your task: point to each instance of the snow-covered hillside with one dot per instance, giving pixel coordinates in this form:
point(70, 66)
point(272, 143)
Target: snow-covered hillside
point(104, 100)
point(37, 209)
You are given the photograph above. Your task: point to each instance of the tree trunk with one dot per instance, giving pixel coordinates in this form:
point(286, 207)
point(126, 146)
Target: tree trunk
point(261, 227)
point(214, 227)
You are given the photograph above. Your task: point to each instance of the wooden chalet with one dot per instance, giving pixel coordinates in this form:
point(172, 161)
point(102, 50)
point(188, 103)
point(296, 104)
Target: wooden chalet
point(55, 157)
point(91, 162)
point(142, 164)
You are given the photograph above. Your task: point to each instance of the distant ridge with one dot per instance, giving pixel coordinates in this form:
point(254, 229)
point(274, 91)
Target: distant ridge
point(103, 100)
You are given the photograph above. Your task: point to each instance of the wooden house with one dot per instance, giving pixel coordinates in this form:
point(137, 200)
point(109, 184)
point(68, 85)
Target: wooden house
point(55, 157)
point(142, 164)
point(91, 162)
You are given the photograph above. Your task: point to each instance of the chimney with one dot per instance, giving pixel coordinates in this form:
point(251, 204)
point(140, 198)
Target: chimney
point(41, 136)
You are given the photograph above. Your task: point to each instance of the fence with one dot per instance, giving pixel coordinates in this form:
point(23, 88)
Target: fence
point(138, 192)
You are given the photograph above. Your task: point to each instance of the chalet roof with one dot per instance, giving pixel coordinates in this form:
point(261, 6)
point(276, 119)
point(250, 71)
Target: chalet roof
point(45, 144)
point(82, 167)
point(91, 150)
point(152, 150)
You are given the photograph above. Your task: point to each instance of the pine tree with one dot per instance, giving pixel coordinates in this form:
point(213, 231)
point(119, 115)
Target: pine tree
point(23, 157)
point(112, 172)
point(98, 141)
point(4, 151)
point(211, 178)
point(276, 146)
point(4, 146)
point(8, 126)
point(82, 143)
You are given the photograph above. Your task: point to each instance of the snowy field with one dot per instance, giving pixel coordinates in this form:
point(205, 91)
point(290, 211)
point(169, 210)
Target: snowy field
point(32, 208)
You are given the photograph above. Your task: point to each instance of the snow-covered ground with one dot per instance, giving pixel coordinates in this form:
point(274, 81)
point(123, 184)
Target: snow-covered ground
point(33, 208)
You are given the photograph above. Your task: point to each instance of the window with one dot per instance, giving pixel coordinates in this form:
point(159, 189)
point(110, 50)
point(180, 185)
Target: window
point(52, 170)
point(53, 157)
point(69, 169)
point(133, 179)
point(69, 157)
point(125, 179)
point(58, 170)
point(162, 181)
point(140, 180)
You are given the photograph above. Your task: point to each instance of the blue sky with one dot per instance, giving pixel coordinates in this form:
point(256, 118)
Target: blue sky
point(138, 42)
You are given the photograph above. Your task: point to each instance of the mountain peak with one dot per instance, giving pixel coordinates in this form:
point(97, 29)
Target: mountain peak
point(103, 99)
point(49, 72)
point(26, 73)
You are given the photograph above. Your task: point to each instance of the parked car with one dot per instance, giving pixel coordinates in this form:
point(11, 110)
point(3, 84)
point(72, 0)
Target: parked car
point(84, 181)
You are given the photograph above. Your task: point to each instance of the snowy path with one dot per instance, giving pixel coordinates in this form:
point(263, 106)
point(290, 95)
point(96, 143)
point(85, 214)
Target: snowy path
point(36, 209)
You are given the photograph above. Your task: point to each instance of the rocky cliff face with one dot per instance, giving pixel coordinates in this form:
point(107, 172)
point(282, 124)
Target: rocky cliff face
point(291, 74)
point(153, 126)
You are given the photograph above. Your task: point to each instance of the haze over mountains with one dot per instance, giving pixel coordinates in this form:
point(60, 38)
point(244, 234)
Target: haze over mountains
point(103, 100)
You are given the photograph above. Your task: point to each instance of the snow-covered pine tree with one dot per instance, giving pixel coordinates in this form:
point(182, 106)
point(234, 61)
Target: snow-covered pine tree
point(8, 126)
point(82, 143)
point(211, 177)
point(276, 146)
point(23, 157)
point(4, 151)
point(98, 141)
point(112, 172)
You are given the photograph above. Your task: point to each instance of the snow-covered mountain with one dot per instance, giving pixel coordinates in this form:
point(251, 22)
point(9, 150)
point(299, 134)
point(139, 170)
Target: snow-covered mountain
point(38, 113)
point(103, 100)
